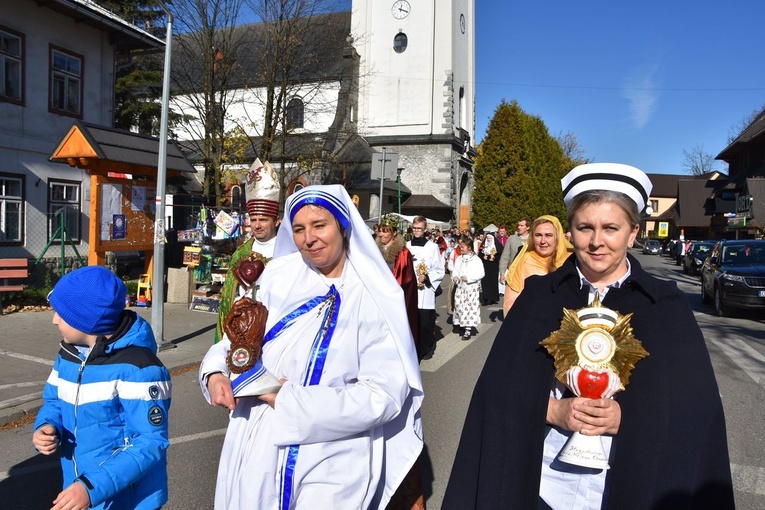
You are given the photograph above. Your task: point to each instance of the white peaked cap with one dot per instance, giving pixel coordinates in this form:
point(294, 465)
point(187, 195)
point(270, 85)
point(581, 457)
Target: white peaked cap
point(626, 179)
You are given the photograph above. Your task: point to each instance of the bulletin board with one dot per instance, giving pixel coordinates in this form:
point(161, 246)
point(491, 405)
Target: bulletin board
point(124, 214)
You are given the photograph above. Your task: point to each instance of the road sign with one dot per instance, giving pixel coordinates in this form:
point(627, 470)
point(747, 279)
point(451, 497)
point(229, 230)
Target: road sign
point(391, 164)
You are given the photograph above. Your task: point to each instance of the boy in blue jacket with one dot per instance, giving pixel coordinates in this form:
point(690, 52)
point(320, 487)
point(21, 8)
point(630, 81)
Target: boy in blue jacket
point(106, 400)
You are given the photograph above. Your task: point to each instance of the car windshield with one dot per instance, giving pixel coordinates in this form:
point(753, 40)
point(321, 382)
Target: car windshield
point(703, 248)
point(653, 244)
point(740, 254)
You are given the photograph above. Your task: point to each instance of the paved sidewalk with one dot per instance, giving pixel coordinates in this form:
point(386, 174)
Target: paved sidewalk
point(29, 343)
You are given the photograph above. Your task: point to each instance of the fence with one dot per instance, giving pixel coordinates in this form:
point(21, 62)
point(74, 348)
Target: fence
point(56, 241)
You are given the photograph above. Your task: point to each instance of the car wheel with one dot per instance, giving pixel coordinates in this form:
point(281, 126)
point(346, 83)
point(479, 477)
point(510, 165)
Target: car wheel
point(720, 308)
point(704, 298)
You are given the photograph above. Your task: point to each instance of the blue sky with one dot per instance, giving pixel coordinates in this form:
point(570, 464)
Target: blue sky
point(636, 82)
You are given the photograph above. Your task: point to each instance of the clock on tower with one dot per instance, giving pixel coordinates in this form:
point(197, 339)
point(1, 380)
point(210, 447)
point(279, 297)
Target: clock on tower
point(400, 9)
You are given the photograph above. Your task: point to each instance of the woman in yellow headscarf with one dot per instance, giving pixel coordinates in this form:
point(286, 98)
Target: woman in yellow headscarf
point(543, 253)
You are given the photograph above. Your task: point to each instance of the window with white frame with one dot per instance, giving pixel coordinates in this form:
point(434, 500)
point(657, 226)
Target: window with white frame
point(11, 209)
point(294, 113)
point(65, 82)
point(64, 209)
point(11, 65)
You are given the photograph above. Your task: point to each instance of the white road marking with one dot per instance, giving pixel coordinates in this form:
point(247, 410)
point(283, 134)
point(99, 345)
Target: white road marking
point(748, 359)
point(748, 479)
point(448, 347)
point(201, 435)
point(55, 465)
point(26, 357)
point(4, 475)
point(21, 385)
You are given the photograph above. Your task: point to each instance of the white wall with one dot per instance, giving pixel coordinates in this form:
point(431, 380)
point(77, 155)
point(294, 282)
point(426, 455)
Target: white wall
point(395, 89)
point(247, 109)
point(410, 93)
point(29, 134)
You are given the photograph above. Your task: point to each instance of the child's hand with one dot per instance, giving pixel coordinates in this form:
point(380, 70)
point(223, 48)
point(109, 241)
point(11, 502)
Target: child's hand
point(74, 497)
point(45, 439)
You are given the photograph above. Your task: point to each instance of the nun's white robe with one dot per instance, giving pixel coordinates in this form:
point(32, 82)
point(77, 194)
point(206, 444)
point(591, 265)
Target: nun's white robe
point(354, 435)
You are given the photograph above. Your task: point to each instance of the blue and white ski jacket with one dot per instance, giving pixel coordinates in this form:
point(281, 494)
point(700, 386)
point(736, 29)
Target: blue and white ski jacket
point(110, 413)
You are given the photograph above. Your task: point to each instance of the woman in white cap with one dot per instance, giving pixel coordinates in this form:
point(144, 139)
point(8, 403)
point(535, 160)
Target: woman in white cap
point(664, 436)
point(344, 429)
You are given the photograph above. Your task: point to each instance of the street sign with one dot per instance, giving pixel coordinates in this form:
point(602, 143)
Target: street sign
point(391, 164)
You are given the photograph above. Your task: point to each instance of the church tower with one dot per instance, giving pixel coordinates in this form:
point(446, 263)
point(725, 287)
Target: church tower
point(417, 94)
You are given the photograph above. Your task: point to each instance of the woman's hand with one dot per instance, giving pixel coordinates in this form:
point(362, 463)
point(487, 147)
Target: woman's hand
point(586, 416)
point(600, 416)
point(221, 393)
point(270, 398)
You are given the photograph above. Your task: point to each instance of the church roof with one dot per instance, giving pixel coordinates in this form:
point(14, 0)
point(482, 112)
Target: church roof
point(424, 202)
point(318, 56)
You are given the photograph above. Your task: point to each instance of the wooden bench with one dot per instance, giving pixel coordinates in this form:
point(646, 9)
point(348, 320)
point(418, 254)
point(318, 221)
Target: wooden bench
point(12, 269)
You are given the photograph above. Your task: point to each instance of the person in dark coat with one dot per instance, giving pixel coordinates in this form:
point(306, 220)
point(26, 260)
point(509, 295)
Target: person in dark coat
point(665, 433)
point(490, 282)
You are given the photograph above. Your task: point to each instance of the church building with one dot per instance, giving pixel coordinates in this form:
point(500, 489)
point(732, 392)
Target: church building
point(388, 86)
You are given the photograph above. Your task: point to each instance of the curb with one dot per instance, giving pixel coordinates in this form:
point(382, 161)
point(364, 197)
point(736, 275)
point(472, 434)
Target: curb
point(12, 414)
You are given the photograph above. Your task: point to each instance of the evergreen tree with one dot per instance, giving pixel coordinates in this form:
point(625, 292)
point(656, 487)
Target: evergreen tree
point(518, 169)
point(138, 86)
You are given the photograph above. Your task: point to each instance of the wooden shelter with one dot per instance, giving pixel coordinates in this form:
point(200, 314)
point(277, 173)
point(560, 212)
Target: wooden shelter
point(123, 183)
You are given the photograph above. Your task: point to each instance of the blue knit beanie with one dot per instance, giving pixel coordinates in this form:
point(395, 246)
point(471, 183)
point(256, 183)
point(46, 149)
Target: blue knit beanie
point(90, 299)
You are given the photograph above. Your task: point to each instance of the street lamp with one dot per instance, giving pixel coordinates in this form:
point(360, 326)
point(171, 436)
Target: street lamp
point(382, 178)
point(398, 179)
point(158, 276)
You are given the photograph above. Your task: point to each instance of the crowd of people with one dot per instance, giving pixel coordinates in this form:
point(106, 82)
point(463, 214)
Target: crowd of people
point(316, 359)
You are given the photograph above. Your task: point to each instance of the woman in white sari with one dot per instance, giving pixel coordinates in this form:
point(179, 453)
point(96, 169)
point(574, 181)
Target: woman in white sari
point(344, 429)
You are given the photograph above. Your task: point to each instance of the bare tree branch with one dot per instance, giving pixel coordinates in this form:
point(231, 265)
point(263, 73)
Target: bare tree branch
point(698, 162)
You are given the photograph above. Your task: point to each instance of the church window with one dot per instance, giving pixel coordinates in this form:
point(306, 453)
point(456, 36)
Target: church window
point(294, 114)
point(400, 42)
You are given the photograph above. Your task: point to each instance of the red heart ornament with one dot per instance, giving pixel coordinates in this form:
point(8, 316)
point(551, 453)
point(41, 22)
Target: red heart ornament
point(248, 271)
point(592, 384)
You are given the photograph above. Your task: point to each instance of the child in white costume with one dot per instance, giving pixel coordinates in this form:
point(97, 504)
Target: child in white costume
point(467, 275)
point(345, 427)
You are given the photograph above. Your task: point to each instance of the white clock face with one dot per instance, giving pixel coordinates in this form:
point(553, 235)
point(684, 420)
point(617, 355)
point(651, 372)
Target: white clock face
point(400, 9)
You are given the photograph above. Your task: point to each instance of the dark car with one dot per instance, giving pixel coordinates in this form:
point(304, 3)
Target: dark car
point(652, 247)
point(696, 256)
point(734, 275)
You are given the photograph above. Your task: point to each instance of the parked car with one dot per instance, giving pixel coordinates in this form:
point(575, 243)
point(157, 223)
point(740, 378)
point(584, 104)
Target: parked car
point(652, 247)
point(696, 256)
point(734, 275)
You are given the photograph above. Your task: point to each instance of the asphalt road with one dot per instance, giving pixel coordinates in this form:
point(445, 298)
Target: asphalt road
point(736, 345)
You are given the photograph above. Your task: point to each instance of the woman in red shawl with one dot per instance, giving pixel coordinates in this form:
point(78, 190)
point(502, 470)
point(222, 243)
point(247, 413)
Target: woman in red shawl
point(399, 259)
point(409, 495)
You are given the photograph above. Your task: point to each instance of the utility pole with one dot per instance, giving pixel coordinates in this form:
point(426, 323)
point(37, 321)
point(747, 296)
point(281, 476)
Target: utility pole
point(158, 278)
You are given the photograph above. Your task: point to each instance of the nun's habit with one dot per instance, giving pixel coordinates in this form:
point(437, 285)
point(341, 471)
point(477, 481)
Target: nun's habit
point(346, 427)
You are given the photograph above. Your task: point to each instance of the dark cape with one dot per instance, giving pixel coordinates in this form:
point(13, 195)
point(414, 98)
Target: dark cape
point(490, 280)
point(670, 451)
